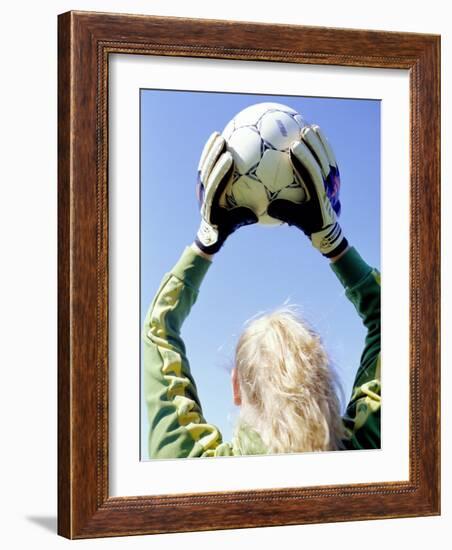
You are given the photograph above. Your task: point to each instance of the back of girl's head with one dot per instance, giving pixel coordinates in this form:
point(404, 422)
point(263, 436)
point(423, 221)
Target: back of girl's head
point(287, 386)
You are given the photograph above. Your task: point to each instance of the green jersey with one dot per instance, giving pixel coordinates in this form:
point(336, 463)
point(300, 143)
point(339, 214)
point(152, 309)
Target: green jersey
point(177, 427)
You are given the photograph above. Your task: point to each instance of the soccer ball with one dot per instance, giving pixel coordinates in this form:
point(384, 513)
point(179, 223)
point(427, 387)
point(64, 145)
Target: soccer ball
point(259, 138)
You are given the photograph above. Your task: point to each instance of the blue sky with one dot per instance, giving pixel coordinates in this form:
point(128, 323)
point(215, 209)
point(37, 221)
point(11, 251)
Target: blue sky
point(259, 268)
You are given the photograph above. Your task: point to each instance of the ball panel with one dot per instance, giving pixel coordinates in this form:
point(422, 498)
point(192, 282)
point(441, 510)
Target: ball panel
point(250, 115)
point(267, 220)
point(275, 170)
point(245, 146)
point(278, 129)
point(251, 193)
point(228, 129)
point(281, 107)
point(294, 194)
point(299, 120)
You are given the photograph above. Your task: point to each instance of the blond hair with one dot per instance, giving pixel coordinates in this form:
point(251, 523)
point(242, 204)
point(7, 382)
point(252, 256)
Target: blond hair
point(289, 392)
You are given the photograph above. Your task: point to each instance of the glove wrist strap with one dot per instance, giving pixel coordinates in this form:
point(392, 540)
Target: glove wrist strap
point(329, 241)
point(207, 238)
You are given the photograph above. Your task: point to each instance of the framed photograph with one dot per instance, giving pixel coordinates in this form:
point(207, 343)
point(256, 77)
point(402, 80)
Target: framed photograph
point(248, 275)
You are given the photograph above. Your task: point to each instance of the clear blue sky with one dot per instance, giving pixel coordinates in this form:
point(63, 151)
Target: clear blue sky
point(259, 268)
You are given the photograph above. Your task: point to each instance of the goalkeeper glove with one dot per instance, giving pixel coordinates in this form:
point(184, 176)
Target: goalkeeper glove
point(215, 171)
point(315, 168)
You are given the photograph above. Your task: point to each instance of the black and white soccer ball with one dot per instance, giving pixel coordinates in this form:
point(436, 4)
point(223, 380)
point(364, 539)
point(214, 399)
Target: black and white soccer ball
point(259, 138)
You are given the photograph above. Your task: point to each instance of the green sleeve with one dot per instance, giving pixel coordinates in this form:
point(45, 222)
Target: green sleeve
point(177, 427)
point(362, 287)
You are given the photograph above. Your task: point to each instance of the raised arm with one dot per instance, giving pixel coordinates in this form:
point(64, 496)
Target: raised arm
point(316, 168)
point(177, 427)
point(362, 287)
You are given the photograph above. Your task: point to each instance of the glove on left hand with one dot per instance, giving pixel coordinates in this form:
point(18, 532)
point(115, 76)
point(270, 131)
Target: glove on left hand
point(215, 170)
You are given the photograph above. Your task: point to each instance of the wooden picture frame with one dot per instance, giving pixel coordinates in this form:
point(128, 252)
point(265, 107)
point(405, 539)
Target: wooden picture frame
point(85, 42)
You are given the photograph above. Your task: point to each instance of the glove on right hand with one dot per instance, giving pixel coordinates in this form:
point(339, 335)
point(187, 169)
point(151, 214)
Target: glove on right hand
point(315, 168)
